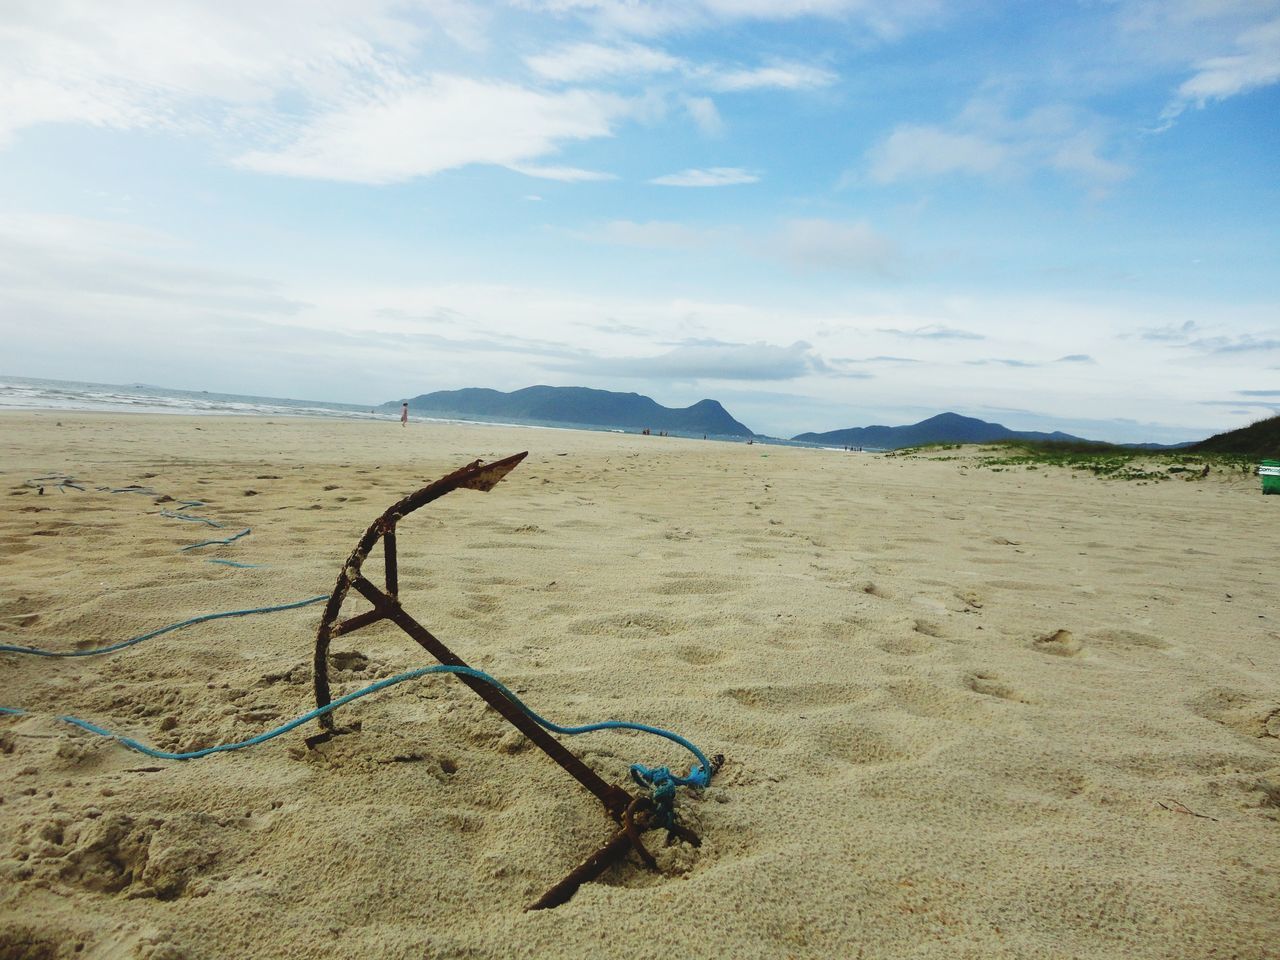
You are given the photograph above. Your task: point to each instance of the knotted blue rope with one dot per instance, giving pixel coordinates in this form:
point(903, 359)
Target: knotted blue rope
point(37, 652)
point(661, 778)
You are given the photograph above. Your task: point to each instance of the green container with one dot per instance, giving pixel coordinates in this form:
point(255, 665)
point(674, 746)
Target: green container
point(1269, 471)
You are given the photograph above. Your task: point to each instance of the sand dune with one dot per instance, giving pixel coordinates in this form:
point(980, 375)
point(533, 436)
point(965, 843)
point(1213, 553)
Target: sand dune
point(965, 713)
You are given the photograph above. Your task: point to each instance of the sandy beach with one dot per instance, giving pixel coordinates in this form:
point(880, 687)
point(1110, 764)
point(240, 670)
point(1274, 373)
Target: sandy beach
point(965, 713)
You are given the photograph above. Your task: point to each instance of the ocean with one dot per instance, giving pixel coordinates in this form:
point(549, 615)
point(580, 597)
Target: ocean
point(28, 393)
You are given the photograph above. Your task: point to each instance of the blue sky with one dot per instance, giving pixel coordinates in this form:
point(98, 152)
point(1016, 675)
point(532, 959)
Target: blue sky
point(824, 213)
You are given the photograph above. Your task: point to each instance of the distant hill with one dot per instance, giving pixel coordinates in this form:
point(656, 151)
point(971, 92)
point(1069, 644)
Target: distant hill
point(1261, 440)
point(577, 406)
point(944, 428)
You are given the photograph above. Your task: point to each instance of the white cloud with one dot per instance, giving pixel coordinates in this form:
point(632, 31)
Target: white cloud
point(1255, 64)
point(329, 91)
point(101, 272)
point(563, 174)
point(582, 62)
point(933, 331)
point(336, 90)
point(652, 17)
point(709, 360)
point(912, 151)
point(709, 177)
point(136, 64)
point(783, 76)
point(592, 61)
point(705, 115)
point(1080, 155)
point(985, 140)
point(440, 124)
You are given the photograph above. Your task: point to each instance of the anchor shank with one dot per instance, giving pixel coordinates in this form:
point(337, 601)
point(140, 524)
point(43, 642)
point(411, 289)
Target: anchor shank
point(614, 849)
point(615, 799)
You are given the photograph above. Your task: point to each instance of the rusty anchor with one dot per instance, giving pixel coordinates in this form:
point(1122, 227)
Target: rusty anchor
point(634, 815)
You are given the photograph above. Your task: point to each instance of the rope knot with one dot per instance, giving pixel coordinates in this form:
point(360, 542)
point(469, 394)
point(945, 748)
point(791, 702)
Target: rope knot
point(662, 783)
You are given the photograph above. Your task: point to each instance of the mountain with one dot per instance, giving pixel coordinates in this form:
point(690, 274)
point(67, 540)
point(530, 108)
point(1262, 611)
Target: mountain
point(1261, 439)
point(944, 428)
point(577, 406)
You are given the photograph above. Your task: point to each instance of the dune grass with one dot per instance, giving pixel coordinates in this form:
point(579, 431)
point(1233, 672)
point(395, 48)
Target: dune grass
point(1102, 460)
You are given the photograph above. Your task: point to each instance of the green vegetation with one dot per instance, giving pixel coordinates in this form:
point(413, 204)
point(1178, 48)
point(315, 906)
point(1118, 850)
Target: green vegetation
point(1102, 460)
point(1260, 440)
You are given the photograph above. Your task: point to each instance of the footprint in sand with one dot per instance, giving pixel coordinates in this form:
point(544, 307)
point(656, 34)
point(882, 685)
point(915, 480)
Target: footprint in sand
point(846, 630)
point(21, 612)
point(925, 699)
point(906, 646)
point(1246, 714)
point(1128, 640)
point(990, 685)
point(483, 602)
point(1060, 643)
point(698, 655)
point(861, 744)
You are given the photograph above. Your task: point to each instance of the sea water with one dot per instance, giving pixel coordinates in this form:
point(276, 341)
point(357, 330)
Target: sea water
point(28, 393)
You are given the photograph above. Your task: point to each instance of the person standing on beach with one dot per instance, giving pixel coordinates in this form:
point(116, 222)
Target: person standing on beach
point(404, 414)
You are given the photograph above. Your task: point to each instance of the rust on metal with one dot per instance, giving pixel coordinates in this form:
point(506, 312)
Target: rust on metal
point(634, 815)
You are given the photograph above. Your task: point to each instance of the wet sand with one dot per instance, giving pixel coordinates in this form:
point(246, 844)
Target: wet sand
point(965, 713)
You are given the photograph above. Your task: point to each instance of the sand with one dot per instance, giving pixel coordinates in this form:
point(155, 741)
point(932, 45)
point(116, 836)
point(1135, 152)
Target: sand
point(965, 713)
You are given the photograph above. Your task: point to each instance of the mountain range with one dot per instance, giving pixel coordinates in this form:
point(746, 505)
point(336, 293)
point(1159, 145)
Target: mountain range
point(585, 407)
point(944, 428)
point(578, 406)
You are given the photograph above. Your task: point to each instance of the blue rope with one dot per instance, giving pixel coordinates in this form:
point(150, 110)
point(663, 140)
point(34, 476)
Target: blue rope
point(59, 480)
point(699, 776)
point(182, 516)
point(205, 543)
point(237, 563)
point(35, 651)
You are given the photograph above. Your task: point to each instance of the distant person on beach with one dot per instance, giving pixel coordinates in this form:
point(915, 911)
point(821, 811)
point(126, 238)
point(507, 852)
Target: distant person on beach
point(404, 414)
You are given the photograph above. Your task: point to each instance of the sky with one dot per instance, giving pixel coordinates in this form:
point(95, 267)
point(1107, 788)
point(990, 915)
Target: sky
point(823, 213)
